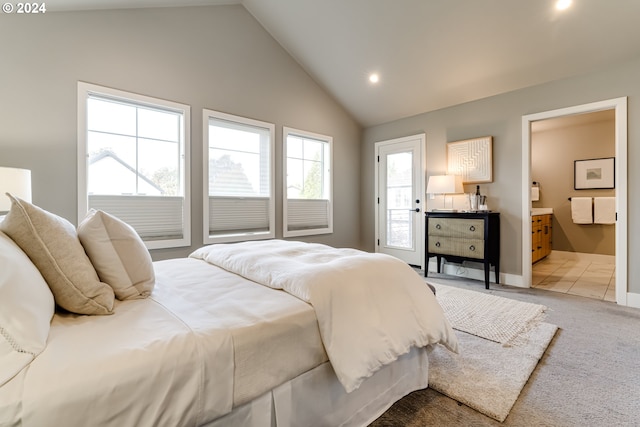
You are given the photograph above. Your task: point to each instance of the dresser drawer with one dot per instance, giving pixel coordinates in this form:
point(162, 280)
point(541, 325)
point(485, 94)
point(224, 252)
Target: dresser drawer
point(457, 227)
point(454, 246)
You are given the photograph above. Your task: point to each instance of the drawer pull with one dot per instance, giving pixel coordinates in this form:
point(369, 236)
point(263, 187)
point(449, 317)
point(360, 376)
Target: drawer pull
point(437, 244)
point(438, 226)
point(472, 248)
point(472, 228)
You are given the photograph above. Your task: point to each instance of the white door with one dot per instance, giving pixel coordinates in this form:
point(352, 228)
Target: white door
point(400, 198)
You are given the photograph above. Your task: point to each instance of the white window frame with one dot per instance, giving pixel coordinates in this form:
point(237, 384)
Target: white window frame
point(247, 205)
point(310, 206)
point(85, 90)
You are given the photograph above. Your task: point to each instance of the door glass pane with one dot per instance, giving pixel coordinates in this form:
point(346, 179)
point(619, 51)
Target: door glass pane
point(399, 200)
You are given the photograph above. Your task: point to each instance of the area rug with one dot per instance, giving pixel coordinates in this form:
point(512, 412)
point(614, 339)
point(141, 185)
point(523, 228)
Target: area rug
point(489, 373)
point(487, 316)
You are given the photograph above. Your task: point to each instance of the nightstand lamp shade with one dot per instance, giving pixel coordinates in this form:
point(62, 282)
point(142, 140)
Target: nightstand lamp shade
point(17, 182)
point(445, 184)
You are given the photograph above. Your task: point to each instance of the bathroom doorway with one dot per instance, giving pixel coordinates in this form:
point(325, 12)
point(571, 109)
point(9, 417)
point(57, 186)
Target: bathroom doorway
point(615, 243)
point(582, 260)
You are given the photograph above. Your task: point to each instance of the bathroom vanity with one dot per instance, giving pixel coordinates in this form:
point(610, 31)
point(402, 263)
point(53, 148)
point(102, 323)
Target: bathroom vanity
point(541, 227)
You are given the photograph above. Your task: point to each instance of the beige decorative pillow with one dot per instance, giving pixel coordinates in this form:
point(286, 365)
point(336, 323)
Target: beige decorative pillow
point(118, 254)
point(52, 245)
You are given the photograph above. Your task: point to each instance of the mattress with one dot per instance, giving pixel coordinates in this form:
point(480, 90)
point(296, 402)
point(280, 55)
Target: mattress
point(205, 342)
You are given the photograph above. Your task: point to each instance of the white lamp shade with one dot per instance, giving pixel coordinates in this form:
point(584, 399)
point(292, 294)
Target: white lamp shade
point(445, 184)
point(17, 182)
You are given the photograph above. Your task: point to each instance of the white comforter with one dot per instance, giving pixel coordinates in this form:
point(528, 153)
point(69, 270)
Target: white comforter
point(371, 308)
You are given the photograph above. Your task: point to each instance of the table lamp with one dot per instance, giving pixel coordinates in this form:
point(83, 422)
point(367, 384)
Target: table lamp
point(17, 182)
point(445, 184)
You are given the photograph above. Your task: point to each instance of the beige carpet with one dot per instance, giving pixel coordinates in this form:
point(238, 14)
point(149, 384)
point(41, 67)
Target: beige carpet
point(504, 341)
point(588, 376)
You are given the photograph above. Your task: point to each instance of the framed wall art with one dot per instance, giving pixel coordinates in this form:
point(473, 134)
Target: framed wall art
point(471, 158)
point(594, 173)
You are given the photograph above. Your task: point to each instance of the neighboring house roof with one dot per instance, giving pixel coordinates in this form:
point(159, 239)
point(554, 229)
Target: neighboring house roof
point(227, 177)
point(111, 155)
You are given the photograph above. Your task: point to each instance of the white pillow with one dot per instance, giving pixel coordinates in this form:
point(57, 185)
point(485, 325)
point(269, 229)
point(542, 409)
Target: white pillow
point(52, 244)
point(118, 254)
point(26, 309)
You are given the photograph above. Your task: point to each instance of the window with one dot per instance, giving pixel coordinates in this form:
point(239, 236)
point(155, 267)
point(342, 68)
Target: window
point(238, 170)
point(131, 162)
point(308, 185)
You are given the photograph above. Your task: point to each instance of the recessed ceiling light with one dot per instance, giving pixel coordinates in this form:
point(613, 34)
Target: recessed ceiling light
point(563, 4)
point(374, 78)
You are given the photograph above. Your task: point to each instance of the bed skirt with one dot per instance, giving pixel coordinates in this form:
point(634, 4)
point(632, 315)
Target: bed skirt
point(316, 397)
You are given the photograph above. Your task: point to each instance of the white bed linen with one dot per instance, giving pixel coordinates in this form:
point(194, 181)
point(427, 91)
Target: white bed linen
point(169, 359)
point(275, 336)
point(141, 366)
point(371, 308)
point(316, 397)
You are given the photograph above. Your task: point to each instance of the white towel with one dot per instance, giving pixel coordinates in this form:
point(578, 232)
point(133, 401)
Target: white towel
point(581, 211)
point(535, 194)
point(604, 210)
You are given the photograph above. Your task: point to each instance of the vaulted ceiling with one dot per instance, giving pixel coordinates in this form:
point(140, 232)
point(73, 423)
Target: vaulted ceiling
point(431, 54)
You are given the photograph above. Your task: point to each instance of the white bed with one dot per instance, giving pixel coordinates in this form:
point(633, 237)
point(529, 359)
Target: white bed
point(211, 347)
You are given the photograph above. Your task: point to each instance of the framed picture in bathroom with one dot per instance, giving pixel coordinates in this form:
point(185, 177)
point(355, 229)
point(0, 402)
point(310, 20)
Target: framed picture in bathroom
point(594, 173)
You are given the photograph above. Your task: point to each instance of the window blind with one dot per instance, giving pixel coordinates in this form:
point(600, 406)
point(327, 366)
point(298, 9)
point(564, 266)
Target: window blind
point(153, 218)
point(233, 215)
point(304, 214)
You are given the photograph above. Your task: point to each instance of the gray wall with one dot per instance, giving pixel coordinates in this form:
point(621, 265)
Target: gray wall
point(552, 159)
point(215, 57)
point(501, 117)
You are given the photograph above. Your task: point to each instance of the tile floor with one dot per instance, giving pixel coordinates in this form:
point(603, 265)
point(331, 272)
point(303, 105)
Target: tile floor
point(592, 278)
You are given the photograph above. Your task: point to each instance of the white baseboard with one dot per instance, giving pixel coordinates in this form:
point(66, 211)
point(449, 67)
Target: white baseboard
point(633, 300)
point(469, 272)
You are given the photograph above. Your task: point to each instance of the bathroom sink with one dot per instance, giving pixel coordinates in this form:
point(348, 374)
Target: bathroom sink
point(541, 211)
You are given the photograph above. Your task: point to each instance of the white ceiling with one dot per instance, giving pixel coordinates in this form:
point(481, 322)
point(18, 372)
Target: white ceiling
point(432, 54)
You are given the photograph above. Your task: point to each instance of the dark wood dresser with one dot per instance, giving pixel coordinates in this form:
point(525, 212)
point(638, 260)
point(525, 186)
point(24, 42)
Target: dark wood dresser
point(464, 236)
